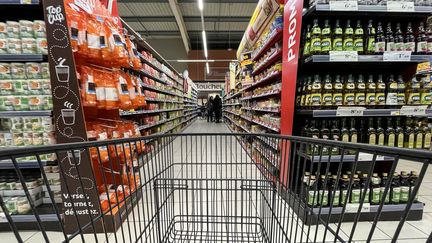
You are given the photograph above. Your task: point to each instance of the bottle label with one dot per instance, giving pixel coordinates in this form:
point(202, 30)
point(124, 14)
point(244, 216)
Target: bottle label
point(345, 138)
point(399, 46)
point(316, 86)
point(316, 31)
point(358, 44)
point(419, 140)
point(336, 196)
point(327, 99)
point(400, 140)
point(306, 49)
point(348, 44)
point(366, 197)
point(355, 197)
point(338, 86)
point(308, 99)
point(316, 99)
point(323, 197)
point(426, 98)
point(395, 197)
point(381, 139)
point(325, 31)
point(404, 194)
point(427, 142)
point(361, 86)
point(413, 99)
point(390, 46)
point(302, 100)
point(401, 98)
point(393, 86)
point(311, 198)
point(381, 86)
point(380, 98)
point(325, 44)
point(409, 46)
point(350, 86)
point(328, 86)
point(422, 46)
point(354, 138)
point(387, 198)
point(391, 140)
point(337, 99)
point(315, 45)
point(371, 86)
point(337, 44)
point(344, 197)
point(411, 141)
point(380, 46)
point(371, 44)
point(349, 99)
point(372, 139)
point(392, 99)
point(370, 99)
point(360, 98)
point(376, 192)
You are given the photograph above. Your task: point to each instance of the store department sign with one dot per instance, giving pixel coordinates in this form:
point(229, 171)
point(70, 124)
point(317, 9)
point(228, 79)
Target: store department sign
point(209, 86)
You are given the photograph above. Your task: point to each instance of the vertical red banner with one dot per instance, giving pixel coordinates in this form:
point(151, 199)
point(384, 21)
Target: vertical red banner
point(290, 57)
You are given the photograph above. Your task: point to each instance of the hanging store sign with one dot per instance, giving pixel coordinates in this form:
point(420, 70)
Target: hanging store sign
point(209, 86)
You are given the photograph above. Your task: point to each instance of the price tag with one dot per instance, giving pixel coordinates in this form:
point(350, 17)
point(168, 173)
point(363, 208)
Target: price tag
point(350, 111)
point(25, 1)
point(365, 157)
point(413, 110)
point(343, 56)
point(343, 5)
point(396, 56)
point(400, 6)
point(353, 207)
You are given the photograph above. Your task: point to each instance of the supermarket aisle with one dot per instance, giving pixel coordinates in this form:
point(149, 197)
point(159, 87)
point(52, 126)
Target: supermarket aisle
point(202, 126)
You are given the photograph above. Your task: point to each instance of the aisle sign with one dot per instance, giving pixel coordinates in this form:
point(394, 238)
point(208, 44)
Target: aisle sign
point(397, 56)
point(343, 56)
point(413, 110)
point(350, 111)
point(343, 5)
point(400, 6)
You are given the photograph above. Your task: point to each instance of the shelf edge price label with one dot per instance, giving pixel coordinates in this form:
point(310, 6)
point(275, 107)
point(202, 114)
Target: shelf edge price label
point(343, 5)
point(353, 207)
point(398, 6)
point(350, 111)
point(413, 110)
point(396, 56)
point(343, 56)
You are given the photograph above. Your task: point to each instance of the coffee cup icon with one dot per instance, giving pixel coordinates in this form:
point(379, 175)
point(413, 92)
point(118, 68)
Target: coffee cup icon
point(68, 116)
point(75, 155)
point(62, 71)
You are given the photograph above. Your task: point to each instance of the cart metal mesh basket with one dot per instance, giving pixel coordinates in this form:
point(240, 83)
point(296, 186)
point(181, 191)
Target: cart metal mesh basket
point(213, 188)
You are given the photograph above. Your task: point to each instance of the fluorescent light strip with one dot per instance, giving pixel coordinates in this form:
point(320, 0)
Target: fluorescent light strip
point(205, 43)
point(200, 5)
point(204, 60)
point(208, 68)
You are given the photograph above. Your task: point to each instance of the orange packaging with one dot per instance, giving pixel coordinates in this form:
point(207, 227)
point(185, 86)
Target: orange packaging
point(105, 48)
point(139, 101)
point(93, 38)
point(77, 28)
point(88, 87)
point(99, 81)
point(117, 43)
point(111, 94)
point(102, 135)
point(123, 91)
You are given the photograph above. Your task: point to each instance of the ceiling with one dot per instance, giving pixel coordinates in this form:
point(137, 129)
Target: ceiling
point(225, 20)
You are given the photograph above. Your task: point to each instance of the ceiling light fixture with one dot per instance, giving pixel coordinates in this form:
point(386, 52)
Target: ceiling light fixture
point(208, 68)
point(205, 43)
point(200, 5)
point(204, 60)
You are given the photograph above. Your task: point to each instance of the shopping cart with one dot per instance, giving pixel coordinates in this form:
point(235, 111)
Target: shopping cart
point(218, 188)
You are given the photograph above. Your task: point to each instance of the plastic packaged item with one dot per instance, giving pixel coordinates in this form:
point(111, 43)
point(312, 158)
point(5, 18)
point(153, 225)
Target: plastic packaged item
point(5, 72)
point(46, 86)
point(33, 70)
point(45, 72)
point(13, 29)
point(42, 46)
point(21, 103)
point(117, 43)
point(37, 138)
point(17, 70)
point(93, 38)
point(27, 124)
point(22, 205)
point(46, 124)
point(27, 138)
point(14, 46)
point(26, 28)
point(105, 50)
point(6, 87)
point(47, 103)
point(17, 138)
point(39, 28)
point(18, 87)
point(35, 102)
point(16, 124)
point(100, 89)
point(11, 205)
point(7, 103)
point(88, 87)
point(3, 45)
point(111, 94)
point(3, 30)
point(35, 86)
point(28, 45)
point(123, 91)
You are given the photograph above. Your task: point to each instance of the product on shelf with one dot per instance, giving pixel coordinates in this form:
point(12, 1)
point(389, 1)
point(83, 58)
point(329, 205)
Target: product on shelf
point(23, 37)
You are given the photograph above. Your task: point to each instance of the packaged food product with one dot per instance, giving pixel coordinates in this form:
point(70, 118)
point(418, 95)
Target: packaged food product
point(35, 102)
point(105, 50)
point(14, 46)
point(7, 103)
point(88, 87)
point(28, 45)
point(27, 138)
point(117, 43)
point(18, 87)
point(111, 94)
point(45, 72)
point(22, 205)
point(16, 124)
point(47, 103)
point(5, 72)
point(123, 91)
point(26, 28)
point(37, 138)
point(41, 46)
point(6, 87)
point(3, 45)
point(46, 124)
point(39, 28)
point(3, 30)
point(11, 205)
point(77, 28)
point(17, 70)
point(55, 169)
point(33, 70)
point(35, 86)
point(100, 89)
point(93, 38)
point(17, 138)
point(27, 124)
point(13, 29)
point(7, 139)
point(21, 103)
point(46, 86)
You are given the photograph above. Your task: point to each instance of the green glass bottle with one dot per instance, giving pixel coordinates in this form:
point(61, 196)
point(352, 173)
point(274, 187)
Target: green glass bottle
point(315, 38)
point(348, 37)
point(358, 38)
point(337, 44)
point(326, 38)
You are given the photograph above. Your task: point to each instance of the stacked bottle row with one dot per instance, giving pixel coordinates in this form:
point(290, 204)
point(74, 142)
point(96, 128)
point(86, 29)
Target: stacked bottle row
point(327, 191)
point(391, 92)
point(321, 40)
point(415, 133)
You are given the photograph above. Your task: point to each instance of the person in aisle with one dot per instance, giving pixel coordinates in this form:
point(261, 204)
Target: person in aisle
point(217, 107)
point(210, 109)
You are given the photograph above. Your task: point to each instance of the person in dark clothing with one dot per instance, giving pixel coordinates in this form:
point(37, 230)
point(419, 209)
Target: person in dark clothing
point(210, 109)
point(217, 106)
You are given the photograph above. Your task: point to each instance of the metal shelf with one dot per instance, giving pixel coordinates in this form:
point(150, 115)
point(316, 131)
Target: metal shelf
point(19, 2)
point(156, 68)
point(277, 36)
point(234, 95)
point(261, 124)
point(362, 157)
point(129, 113)
point(261, 95)
point(163, 100)
point(235, 123)
point(21, 57)
point(274, 58)
point(151, 88)
point(24, 113)
point(31, 164)
point(233, 104)
point(260, 110)
point(227, 111)
point(263, 81)
point(367, 112)
point(363, 58)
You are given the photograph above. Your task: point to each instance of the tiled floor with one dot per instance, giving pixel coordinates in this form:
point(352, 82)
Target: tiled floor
point(241, 205)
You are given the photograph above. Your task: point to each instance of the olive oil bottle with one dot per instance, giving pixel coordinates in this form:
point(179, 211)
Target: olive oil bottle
point(380, 133)
point(327, 96)
point(316, 98)
point(404, 187)
point(358, 38)
point(348, 37)
point(400, 91)
point(370, 92)
point(390, 134)
point(426, 134)
point(410, 41)
point(360, 92)
point(337, 44)
point(426, 91)
point(370, 41)
point(375, 197)
point(325, 134)
point(349, 95)
point(418, 133)
point(307, 44)
point(371, 132)
point(399, 132)
point(326, 38)
point(338, 91)
point(384, 181)
point(335, 136)
point(392, 93)
point(308, 100)
point(398, 39)
point(344, 132)
point(389, 38)
point(413, 92)
point(380, 97)
point(409, 134)
point(315, 38)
